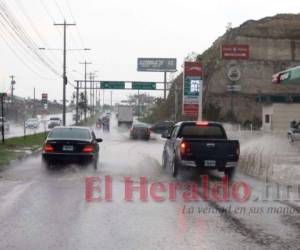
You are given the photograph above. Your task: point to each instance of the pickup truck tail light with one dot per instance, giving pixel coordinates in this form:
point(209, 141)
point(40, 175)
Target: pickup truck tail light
point(184, 147)
point(48, 147)
point(202, 123)
point(88, 149)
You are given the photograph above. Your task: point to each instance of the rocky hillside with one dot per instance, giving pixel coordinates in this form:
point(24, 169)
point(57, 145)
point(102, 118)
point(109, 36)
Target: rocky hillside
point(274, 44)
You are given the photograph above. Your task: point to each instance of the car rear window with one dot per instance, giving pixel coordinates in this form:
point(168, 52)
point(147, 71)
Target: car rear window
point(70, 133)
point(209, 131)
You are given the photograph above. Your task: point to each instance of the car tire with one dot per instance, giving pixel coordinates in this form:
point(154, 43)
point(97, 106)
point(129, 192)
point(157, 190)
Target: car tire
point(230, 172)
point(95, 163)
point(164, 160)
point(174, 168)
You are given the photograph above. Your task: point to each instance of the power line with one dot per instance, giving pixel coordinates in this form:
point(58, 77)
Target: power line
point(30, 21)
point(21, 58)
point(23, 36)
point(15, 39)
point(26, 39)
point(77, 27)
point(74, 20)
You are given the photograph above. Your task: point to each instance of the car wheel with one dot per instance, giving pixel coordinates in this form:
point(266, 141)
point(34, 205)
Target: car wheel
point(164, 160)
point(95, 163)
point(174, 168)
point(230, 173)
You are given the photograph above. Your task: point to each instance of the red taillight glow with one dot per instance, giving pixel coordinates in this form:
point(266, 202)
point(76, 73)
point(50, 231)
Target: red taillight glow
point(48, 148)
point(183, 147)
point(88, 149)
point(202, 123)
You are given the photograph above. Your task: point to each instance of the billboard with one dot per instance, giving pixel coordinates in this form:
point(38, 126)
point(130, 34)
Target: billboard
point(235, 52)
point(157, 64)
point(192, 89)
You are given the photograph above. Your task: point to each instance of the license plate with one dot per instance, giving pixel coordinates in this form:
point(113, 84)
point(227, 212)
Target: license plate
point(209, 163)
point(68, 148)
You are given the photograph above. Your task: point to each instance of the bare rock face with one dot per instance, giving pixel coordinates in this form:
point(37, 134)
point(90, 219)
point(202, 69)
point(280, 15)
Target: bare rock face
point(274, 46)
point(281, 26)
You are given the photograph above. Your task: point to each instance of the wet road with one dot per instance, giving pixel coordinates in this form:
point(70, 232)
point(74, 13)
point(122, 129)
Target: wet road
point(46, 209)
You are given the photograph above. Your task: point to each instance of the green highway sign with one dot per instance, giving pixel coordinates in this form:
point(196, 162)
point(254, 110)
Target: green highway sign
point(144, 85)
point(112, 85)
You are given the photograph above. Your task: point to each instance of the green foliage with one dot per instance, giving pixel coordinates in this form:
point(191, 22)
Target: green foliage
point(212, 112)
point(17, 147)
point(230, 117)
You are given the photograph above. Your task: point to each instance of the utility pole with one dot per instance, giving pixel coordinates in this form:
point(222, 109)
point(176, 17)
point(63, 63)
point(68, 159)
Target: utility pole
point(12, 88)
point(138, 104)
point(77, 97)
point(96, 91)
point(2, 96)
point(176, 102)
point(85, 91)
point(103, 92)
point(65, 80)
point(91, 92)
point(165, 85)
point(33, 113)
point(111, 99)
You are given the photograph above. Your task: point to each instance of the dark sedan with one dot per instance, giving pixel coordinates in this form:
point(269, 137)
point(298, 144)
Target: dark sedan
point(71, 144)
point(139, 131)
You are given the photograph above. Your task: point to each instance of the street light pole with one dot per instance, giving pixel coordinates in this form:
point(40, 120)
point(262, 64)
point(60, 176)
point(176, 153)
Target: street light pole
point(77, 97)
point(165, 85)
point(85, 91)
point(65, 80)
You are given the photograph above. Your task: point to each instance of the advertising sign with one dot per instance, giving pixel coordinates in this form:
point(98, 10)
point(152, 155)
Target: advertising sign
point(289, 76)
point(192, 89)
point(157, 64)
point(235, 52)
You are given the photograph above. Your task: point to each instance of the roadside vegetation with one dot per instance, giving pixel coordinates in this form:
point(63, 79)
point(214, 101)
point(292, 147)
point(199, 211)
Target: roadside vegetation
point(15, 148)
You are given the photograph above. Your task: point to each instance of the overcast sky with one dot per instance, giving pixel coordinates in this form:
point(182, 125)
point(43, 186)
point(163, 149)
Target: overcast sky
point(118, 32)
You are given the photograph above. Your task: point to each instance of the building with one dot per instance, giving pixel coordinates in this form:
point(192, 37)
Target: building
point(277, 116)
